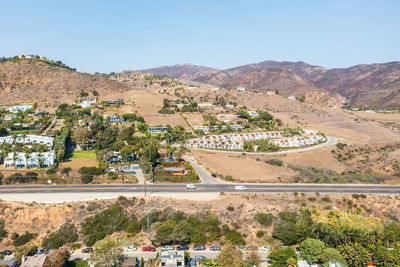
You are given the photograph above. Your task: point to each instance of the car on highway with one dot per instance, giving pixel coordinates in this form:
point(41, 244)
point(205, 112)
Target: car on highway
point(215, 248)
point(87, 250)
point(183, 247)
point(131, 248)
point(6, 252)
point(240, 187)
point(148, 248)
point(266, 248)
point(242, 248)
point(199, 247)
point(191, 186)
point(167, 247)
point(252, 248)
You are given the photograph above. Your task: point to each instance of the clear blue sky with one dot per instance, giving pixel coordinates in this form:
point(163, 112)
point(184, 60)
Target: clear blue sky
point(115, 35)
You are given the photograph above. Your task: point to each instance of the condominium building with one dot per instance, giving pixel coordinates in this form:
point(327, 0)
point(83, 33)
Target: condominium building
point(28, 140)
point(20, 160)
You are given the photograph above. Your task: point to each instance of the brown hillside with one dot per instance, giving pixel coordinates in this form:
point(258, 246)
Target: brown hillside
point(32, 80)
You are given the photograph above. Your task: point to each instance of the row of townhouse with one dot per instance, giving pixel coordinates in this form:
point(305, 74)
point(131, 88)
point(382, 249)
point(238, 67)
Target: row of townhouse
point(236, 141)
point(215, 144)
point(244, 136)
point(28, 140)
point(21, 160)
point(206, 129)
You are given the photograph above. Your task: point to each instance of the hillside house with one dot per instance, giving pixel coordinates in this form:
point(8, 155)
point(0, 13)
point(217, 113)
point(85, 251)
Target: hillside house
point(20, 108)
point(240, 88)
point(116, 119)
point(86, 104)
point(10, 117)
point(92, 100)
point(115, 102)
point(157, 129)
point(253, 114)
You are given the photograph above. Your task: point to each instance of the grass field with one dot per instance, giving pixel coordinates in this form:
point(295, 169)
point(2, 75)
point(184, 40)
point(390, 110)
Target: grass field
point(84, 155)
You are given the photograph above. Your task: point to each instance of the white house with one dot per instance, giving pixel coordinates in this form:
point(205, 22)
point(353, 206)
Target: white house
point(253, 114)
point(157, 129)
point(205, 129)
point(10, 117)
point(20, 160)
point(20, 108)
point(28, 140)
point(240, 88)
point(86, 104)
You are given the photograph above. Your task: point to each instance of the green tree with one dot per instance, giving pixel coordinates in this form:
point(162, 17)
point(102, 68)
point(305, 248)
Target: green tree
point(3, 231)
point(230, 257)
point(312, 249)
point(354, 254)
point(280, 257)
point(106, 254)
point(385, 257)
point(331, 254)
point(67, 234)
point(253, 258)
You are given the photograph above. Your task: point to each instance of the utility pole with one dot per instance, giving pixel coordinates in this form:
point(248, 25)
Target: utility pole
point(145, 185)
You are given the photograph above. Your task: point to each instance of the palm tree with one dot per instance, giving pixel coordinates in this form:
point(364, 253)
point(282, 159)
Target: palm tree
point(40, 160)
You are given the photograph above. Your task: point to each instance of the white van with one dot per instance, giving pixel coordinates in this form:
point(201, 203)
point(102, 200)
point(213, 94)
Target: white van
point(240, 187)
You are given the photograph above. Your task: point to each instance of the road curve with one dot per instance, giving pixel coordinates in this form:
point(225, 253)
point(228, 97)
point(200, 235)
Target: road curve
point(331, 141)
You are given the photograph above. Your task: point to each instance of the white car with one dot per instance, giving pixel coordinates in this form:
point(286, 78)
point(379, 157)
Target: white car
point(240, 187)
point(266, 248)
point(192, 158)
point(167, 248)
point(131, 248)
point(191, 186)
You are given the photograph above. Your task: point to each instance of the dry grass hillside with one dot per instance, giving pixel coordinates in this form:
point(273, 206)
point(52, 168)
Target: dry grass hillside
point(47, 218)
point(30, 80)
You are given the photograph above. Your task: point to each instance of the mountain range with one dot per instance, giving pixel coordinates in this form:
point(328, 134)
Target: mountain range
point(365, 84)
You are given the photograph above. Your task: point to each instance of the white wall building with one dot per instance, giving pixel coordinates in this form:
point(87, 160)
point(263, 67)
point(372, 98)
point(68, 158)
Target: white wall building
point(157, 129)
point(28, 140)
point(240, 88)
point(20, 160)
point(253, 114)
point(20, 108)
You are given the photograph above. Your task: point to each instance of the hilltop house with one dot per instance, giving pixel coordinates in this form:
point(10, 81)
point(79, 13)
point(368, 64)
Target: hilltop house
point(253, 114)
point(88, 99)
point(116, 119)
point(115, 102)
point(20, 160)
point(240, 88)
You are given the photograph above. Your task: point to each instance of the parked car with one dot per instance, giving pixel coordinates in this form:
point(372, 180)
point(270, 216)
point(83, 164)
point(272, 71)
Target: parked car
point(76, 259)
point(183, 247)
point(215, 247)
point(87, 250)
point(266, 248)
point(148, 248)
point(191, 186)
point(131, 248)
point(199, 247)
point(167, 247)
point(200, 258)
point(6, 252)
point(242, 248)
point(240, 187)
point(252, 248)
point(214, 175)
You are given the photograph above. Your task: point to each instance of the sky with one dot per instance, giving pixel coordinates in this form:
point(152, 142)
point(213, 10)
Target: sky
point(106, 36)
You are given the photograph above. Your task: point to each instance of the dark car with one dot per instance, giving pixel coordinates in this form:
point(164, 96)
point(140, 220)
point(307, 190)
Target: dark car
point(148, 248)
point(215, 248)
point(199, 247)
point(214, 175)
point(87, 250)
point(183, 247)
point(6, 252)
point(252, 248)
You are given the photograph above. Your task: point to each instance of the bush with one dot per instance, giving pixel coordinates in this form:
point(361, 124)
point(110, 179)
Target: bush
point(19, 178)
point(264, 219)
point(3, 232)
point(230, 208)
point(23, 239)
point(91, 170)
point(275, 162)
point(66, 170)
point(281, 256)
point(260, 233)
point(312, 249)
point(233, 236)
point(326, 199)
point(65, 235)
point(104, 223)
point(51, 171)
point(86, 178)
point(112, 175)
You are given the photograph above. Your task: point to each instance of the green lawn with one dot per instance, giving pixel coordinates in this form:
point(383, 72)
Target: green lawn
point(84, 154)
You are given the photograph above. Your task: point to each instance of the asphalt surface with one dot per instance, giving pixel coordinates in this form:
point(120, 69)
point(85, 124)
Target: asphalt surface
point(204, 175)
point(201, 188)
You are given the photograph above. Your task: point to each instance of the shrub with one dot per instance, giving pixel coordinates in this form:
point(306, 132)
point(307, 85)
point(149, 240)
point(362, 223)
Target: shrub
point(341, 145)
point(264, 219)
point(230, 208)
point(233, 236)
point(312, 199)
point(66, 170)
point(280, 257)
point(112, 175)
point(275, 162)
point(312, 249)
point(104, 223)
point(260, 233)
point(229, 178)
point(65, 235)
point(86, 178)
point(51, 171)
point(23, 239)
point(3, 232)
point(91, 170)
point(326, 199)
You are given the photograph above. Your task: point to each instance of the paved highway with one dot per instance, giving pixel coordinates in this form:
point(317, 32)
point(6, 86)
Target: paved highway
point(201, 188)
